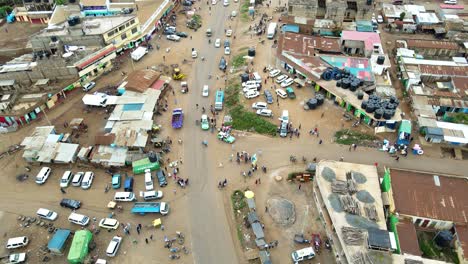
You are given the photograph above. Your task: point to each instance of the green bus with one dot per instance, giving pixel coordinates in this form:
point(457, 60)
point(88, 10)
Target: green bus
point(79, 247)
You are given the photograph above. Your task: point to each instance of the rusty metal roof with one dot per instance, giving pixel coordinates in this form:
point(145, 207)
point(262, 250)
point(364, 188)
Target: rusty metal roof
point(141, 80)
point(432, 44)
point(444, 70)
point(408, 238)
point(430, 195)
point(306, 45)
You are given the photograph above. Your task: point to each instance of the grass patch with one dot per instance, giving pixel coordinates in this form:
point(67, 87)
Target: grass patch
point(240, 235)
point(430, 250)
point(232, 95)
point(239, 60)
point(348, 137)
point(244, 11)
point(245, 120)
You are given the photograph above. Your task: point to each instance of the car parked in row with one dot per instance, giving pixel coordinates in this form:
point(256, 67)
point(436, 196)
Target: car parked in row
point(173, 37)
point(273, 73)
point(113, 246)
point(281, 78)
point(265, 112)
point(66, 179)
point(281, 93)
point(87, 180)
point(259, 105)
point(116, 181)
point(287, 82)
point(77, 178)
point(251, 94)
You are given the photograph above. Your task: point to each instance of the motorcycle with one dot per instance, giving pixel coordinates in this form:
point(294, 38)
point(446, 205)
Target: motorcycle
point(174, 256)
point(327, 244)
point(299, 238)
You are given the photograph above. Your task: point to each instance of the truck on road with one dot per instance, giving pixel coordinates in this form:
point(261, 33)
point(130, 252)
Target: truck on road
point(138, 53)
point(219, 100)
point(271, 30)
point(177, 118)
point(150, 207)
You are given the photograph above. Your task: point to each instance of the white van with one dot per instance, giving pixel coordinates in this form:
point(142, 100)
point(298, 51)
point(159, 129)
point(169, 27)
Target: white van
point(87, 180)
point(43, 174)
point(148, 180)
point(113, 247)
point(257, 77)
point(124, 197)
point(303, 254)
point(78, 219)
point(285, 116)
point(152, 195)
point(17, 242)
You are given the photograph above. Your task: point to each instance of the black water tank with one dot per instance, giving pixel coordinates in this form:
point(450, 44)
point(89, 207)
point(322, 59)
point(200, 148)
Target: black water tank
point(391, 106)
point(251, 52)
point(397, 102)
point(388, 114)
point(312, 103)
point(345, 83)
point(360, 95)
point(320, 98)
point(380, 60)
point(353, 87)
point(378, 113)
point(392, 99)
point(370, 108)
point(338, 83)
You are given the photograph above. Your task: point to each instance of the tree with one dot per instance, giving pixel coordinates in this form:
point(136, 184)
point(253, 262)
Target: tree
point(59, 2)
point(402, 16)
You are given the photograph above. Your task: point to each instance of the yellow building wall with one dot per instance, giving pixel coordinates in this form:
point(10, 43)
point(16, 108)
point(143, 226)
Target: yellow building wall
point(116, 38)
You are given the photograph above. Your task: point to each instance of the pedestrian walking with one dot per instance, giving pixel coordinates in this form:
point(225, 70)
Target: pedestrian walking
point(323, 113)
point(354, 147)
point(180, 160)
point(259, 182)
point(397, 158)
point(350, 148)
point(151, 237)
point(300, 186)
point(138, 231)
point(266, 209)
point(320, 142)
point(63, 190)
point(164, 58)
point(175, 191)
point(146, 240)
point(300, 125)
point(376, 164)
point(256, 181)
point(342, 158)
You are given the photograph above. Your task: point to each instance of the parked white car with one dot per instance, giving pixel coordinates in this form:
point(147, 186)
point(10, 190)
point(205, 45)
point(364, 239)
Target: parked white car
point(113, 246)
point(380, 19)
point(450, 2)
point(66, 179)
point(173, 37)
point(281, 93)
point(214, 2)
point(274, 73)
point(265, 112)
point(259, 105)
point(281, 78)
point(287, 82)
point(225, 2)
point(217, 43)
point(250, 83)
point(46, 214)
point(194, 54)
point(227, 50)
point(249, 88)
point(43, 175)
point(77, 178)
point(251, 94)
point(87, 180)
point(109, 223)
point(228, 32)
point(88, 86)
point(205, 91)
point(17, 258)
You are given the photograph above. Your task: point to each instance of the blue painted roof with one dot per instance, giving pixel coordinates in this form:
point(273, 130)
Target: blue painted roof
point(290, 28)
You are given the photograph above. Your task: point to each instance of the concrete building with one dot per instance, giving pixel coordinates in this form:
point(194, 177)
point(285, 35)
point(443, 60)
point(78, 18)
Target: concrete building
point(88, 32)
point(433, 48)
point(337, 10)
point(360, 43)
point(429, 202)
point(34, 12)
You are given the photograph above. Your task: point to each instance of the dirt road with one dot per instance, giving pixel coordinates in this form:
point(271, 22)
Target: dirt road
point(212, 241)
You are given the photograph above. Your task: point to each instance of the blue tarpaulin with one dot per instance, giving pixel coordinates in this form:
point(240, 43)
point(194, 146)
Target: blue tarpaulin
point(290, 28)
